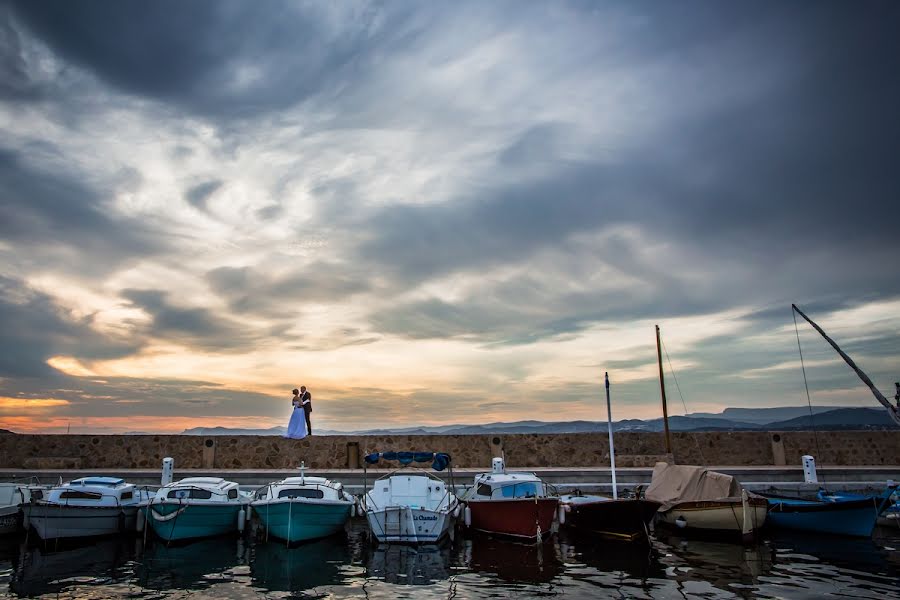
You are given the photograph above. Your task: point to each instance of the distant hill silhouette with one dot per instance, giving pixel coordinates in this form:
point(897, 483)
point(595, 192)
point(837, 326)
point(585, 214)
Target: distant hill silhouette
point(731, 419)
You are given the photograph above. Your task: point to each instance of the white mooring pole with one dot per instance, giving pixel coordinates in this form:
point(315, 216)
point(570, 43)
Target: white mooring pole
point(612, 447)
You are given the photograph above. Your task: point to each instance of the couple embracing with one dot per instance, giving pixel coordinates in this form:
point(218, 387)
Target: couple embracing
point(299, 426)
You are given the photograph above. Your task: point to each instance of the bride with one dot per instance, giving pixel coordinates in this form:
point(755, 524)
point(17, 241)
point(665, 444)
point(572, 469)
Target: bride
point(296, 429)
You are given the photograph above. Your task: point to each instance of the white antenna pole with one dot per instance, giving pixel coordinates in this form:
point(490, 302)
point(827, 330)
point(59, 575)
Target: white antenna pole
point(302, 472)
point(612, 447)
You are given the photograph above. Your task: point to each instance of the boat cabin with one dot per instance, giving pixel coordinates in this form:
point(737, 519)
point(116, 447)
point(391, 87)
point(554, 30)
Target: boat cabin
point(314, 488)
point(94, 491)
point(417, 490)
point(214, 489)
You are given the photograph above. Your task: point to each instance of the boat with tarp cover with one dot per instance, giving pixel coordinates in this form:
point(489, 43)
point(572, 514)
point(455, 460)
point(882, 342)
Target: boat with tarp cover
point(695, 499)
point(411, 506)
point(514, 504)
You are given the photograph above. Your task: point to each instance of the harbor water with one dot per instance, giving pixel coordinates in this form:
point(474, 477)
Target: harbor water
point(350, 566)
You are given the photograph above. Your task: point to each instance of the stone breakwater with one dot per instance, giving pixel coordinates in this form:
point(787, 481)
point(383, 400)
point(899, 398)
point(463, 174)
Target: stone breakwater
point(846, 448)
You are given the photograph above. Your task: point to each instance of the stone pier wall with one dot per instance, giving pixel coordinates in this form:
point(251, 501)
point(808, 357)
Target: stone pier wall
point(521, 450)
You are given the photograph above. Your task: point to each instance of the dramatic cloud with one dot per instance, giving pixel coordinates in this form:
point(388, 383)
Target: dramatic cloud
point(441, 212)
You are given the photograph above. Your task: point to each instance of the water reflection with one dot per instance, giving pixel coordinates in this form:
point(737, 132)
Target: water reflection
point(53, 567)
point(408, 565)
point(512, 561)
point(276, 567)
point(784, 566)
point(192, 566)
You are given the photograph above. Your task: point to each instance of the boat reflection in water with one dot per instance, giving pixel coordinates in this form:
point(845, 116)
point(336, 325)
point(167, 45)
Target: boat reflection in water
point(510, 560)
point(192, 566)
point(721, 564)
point(618, 558)
point(57, 566)
point(279, 567)
point(408, 565)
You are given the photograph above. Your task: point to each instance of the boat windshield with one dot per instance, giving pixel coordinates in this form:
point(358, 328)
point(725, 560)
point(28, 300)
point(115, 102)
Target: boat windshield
point(301, 493)
point(525, 489)
point(198, 493)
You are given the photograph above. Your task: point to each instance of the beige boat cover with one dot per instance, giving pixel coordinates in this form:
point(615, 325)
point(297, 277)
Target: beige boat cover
point(673, 484)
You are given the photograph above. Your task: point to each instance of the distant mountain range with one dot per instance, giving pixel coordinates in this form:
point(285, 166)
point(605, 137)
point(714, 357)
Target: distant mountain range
point(792, 418)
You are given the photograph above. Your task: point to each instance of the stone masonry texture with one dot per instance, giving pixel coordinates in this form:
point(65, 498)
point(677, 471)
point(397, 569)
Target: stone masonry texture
point(847, 448)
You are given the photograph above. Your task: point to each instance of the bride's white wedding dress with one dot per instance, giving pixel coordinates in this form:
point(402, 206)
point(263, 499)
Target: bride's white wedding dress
point(297, 425)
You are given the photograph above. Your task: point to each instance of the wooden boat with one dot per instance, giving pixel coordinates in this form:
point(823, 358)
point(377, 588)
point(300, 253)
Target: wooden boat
point(303, 508)
point(85, 507)
point(413, 507)
point(695, 499)
point(626, 519)
point(518, 505)
point(197, 507)
point(837, 514)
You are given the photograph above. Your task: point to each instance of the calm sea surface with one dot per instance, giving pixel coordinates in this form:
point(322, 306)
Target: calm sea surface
point(348, 566)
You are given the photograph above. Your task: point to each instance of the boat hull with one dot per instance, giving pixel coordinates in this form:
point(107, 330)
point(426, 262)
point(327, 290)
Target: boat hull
point(627, 520)
point(716, 517)
point(515, 517)
point(300, 520)
point(9, 519)
point(174, 521)
point(55, 521)
point(851, 518)
point(403, 524)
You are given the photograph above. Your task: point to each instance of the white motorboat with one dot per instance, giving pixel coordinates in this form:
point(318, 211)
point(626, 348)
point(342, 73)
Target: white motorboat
point(197, 507)
point(85, 507)
point(303, 508)
point(408, 506)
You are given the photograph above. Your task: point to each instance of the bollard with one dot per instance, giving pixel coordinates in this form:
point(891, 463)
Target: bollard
point(809, 469)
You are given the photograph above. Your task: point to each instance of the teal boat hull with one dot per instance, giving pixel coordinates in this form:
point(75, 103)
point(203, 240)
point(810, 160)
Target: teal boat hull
point(298, 521)
point(173, 521)
point(849, 517)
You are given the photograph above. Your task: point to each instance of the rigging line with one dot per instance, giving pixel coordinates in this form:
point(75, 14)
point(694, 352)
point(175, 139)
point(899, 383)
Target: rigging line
point(677, 387)
point(806, 385)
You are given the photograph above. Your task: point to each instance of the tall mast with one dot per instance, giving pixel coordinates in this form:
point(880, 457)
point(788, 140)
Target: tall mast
point(612, 447)
point(662, 390)
point(894, 411)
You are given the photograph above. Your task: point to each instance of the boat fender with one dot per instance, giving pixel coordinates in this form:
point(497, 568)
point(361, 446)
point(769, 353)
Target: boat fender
point(562, 514)
point(681, 522)
point(456, 510)
point(467, 516)
point(249, 513)
point(26, 521)
point(353, 510)
point(122, 521)
point(139, 520)
point(241, 518)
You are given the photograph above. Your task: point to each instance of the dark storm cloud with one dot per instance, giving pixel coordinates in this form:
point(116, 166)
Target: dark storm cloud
point(47, 209)
point(198, 196)
point(16, 82)
point(250, 290)
point(198, 328)
point(35, 328)
point(210, 57)
point(785, 194)
point(126, 396)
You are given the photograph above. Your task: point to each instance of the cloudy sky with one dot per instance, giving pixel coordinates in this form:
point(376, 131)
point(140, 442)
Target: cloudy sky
point(441, 212)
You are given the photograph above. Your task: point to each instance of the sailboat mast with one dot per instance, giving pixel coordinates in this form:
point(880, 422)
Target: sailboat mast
point(662, 389)
point(612, 447)
point(894, 411)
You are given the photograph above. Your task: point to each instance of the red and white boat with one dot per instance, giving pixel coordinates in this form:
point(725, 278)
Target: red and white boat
point(518, 505)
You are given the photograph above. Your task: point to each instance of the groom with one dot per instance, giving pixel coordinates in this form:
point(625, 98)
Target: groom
point(306, 403)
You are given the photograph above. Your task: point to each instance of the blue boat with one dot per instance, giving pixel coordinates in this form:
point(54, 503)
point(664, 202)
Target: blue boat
point(197, 507)
point(303, 508)
point(837, 514)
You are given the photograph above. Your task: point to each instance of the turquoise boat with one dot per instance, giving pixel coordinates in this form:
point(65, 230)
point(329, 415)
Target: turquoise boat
point(197, 507)
point(302, 508)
